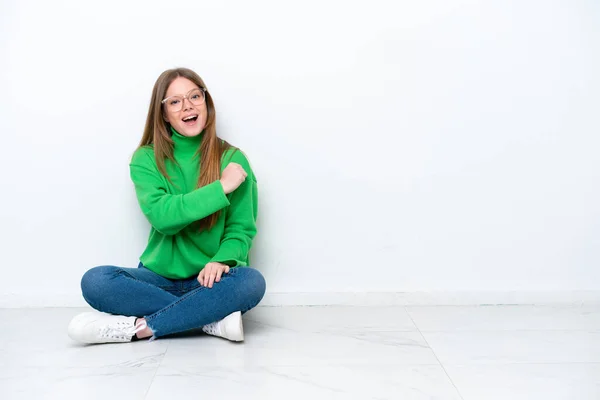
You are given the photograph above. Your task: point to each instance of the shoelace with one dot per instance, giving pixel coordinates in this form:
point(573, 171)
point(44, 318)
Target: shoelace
point(122, 330)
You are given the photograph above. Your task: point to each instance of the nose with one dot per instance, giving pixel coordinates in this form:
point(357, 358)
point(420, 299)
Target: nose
point(187, 104)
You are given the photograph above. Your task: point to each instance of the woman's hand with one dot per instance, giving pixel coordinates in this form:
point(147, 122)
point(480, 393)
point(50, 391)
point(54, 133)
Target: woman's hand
point(212, 273)
point(233, 176)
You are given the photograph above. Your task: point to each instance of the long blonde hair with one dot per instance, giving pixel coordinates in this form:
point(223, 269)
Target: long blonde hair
point(157, 133)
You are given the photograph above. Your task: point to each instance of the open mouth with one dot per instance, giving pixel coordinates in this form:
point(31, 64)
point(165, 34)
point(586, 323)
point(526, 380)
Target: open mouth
point(190, 119)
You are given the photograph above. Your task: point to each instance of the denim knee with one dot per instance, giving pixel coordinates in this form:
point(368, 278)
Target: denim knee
point(93, 283)
point(255, 285)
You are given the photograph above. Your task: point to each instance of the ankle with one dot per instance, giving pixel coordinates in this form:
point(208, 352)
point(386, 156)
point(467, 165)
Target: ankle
point(143, 333)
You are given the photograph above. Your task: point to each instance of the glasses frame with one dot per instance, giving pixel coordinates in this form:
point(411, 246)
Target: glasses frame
point(186, 96)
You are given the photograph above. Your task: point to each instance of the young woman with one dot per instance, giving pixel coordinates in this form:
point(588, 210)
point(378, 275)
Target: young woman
point(200, 196)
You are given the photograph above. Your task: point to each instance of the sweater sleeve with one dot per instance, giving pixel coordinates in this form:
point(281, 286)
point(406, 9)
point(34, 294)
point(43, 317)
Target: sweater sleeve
point(240, 222)
point(170, 213)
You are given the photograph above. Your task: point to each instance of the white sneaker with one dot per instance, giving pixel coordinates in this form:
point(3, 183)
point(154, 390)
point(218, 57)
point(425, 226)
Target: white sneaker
point(229, 327)
point(97, 327)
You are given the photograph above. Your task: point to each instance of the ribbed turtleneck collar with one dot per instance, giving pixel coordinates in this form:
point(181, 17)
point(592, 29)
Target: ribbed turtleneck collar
point(186, 145)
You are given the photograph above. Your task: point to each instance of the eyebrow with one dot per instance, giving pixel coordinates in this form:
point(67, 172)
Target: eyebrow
point(179, 94)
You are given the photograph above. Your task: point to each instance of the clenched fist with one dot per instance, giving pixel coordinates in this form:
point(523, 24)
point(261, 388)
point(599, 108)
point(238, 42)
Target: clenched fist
point(233, 176)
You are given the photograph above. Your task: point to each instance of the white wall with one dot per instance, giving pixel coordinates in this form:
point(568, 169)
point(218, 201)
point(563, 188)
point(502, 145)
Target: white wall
point(400, 145)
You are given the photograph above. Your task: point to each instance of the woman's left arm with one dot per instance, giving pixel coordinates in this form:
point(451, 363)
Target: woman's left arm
point(240, 221)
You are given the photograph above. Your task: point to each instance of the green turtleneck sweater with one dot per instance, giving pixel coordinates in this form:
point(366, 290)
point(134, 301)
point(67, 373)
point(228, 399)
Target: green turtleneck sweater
point(176, 248)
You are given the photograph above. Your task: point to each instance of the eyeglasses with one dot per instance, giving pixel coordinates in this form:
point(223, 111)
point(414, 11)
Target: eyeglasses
point(175, 103)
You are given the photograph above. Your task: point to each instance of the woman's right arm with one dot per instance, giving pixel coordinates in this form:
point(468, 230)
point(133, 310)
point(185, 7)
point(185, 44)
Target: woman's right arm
point(170, 213)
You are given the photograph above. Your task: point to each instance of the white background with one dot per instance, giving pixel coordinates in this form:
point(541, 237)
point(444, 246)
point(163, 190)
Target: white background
point(400, 146)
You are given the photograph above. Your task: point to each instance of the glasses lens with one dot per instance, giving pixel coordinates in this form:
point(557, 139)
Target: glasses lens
point(197, 97)
point(174, 103)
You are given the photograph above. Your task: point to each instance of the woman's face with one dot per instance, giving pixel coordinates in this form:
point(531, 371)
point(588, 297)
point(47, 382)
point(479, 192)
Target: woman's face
point(178, 110)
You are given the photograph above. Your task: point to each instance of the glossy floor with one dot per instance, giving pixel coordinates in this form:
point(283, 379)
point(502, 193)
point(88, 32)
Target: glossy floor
point(469, 353)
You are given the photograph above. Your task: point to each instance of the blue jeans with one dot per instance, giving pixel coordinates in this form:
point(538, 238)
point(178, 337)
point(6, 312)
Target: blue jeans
point(171, 306)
